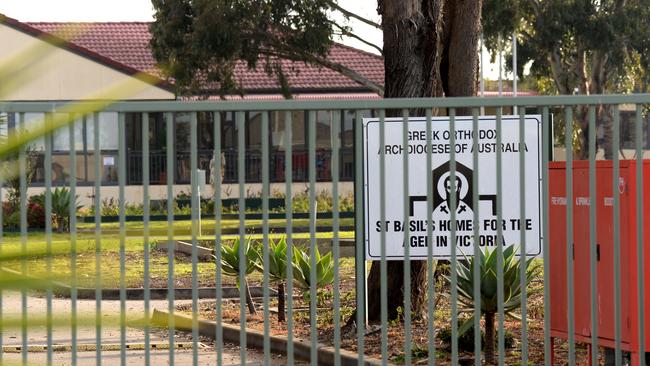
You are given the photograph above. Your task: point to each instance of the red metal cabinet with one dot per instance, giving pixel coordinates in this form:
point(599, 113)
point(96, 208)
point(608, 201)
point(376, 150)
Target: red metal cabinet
point(579, 252)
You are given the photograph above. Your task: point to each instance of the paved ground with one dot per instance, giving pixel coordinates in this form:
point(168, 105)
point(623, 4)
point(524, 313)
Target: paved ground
point(110, 334)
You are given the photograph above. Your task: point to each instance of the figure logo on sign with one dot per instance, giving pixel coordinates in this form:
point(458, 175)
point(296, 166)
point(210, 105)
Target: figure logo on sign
point(462, 189)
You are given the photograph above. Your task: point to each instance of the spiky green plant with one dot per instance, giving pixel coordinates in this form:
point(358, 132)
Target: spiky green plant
point(302, 269)
point(512, 289)
point(61, 199)
point(277, 267)
point(230, 261)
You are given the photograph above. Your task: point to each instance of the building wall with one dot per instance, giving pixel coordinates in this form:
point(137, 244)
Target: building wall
point(53, 73)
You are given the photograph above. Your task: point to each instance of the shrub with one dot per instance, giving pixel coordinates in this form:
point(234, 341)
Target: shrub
point(277, 266)
point(61, 199)
point(302, 269)
point(230, 265)
point(512, 289)
point(35, 216)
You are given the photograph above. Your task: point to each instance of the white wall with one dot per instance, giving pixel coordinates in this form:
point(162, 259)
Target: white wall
point(53, 73)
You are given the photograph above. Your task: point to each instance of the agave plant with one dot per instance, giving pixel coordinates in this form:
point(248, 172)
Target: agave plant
point(61, 199)
point(487, 262)
point(277, 267)
point(230, 265)
point(302, 269)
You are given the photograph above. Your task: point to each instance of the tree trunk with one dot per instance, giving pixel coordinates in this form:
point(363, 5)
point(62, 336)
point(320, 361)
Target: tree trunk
point(489, 338)
point(281, 309)
point(249, 299)
point(413, 52)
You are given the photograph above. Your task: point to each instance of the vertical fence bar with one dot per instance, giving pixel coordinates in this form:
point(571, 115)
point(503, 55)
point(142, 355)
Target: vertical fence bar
point(639, 232)
point(311, 145)
point(218, 174)
point(169, 156)
point(454, 254)
point(73, 238)
point(500, 289)
point(546, 146)
point(431, 262)
point(145, 234)
point(335, 131)
point(407, 260)
point(476, 275)
point(2, 184)
point(522, 231)
point(265, 236)
point(568, 145)
point(22, 173)
point(359, 262)
point(288, 175)
point(121, 177)
point(241, 172)
point(593, 273)
point(383, 265)
point(196, 212)
point(617, 236)
point(48, 234)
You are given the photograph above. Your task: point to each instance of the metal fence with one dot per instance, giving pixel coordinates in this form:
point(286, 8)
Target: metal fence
point(628, 247)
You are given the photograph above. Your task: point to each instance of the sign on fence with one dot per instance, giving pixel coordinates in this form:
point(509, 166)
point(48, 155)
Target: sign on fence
point(394, 223)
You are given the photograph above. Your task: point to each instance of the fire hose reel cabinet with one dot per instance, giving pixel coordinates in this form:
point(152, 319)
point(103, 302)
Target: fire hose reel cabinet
point(579, 252)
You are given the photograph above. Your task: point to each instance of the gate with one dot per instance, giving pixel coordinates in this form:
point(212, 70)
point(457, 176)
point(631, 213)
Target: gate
point(136, 261)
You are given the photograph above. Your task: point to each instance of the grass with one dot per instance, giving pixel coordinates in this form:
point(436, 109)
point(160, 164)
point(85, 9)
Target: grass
point(110, 244)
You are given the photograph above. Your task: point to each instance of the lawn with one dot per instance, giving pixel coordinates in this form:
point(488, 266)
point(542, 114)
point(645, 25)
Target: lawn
point(134, 248)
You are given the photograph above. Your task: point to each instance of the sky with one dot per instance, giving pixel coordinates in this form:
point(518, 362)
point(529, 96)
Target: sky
point(142, 10)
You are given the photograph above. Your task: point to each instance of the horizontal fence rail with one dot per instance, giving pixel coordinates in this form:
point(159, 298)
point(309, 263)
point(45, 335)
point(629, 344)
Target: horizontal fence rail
point(430, 231)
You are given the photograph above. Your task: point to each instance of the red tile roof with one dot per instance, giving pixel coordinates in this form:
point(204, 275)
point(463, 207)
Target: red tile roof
point(127, 43)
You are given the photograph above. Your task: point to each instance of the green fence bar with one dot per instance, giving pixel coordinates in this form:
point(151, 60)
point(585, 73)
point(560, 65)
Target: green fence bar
point(335, 143)
point(22, 172)
point(359, 260)
point(454, 249)
point(383, 265)
point(121, 177)
point(407, 260)
point(618, 353)
point(593, 254)
point(73, 238)
point(639, 230)
point(522, 237)
point(568, 144)
point(265, 237)
point(313, 320)
point(196, 209)
point(48, 238)
point(431, 262)
point(288, 177)
point(169, 127)
point(500, 295)
point(476, 275)
point(218, 173)
point(546, 151)
point(97, 201)
point(241, 148)
point(145, 234)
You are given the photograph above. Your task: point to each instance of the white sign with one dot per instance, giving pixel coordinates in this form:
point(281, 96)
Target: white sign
point(109, 160)
point(393, 224)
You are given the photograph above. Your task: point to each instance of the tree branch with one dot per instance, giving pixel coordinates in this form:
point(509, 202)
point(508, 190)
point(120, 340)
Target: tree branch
point(350, 14)
point(299, 55)
point(346, 32)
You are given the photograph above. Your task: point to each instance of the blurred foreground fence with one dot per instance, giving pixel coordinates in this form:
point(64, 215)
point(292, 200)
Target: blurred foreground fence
point(581, 297)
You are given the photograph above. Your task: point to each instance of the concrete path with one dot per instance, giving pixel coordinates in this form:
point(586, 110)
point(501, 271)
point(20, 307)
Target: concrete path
point(110, 334)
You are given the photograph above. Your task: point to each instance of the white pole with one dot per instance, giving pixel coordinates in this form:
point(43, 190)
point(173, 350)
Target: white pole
point(514, 68)
point(500, 50)
point(482, 79)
